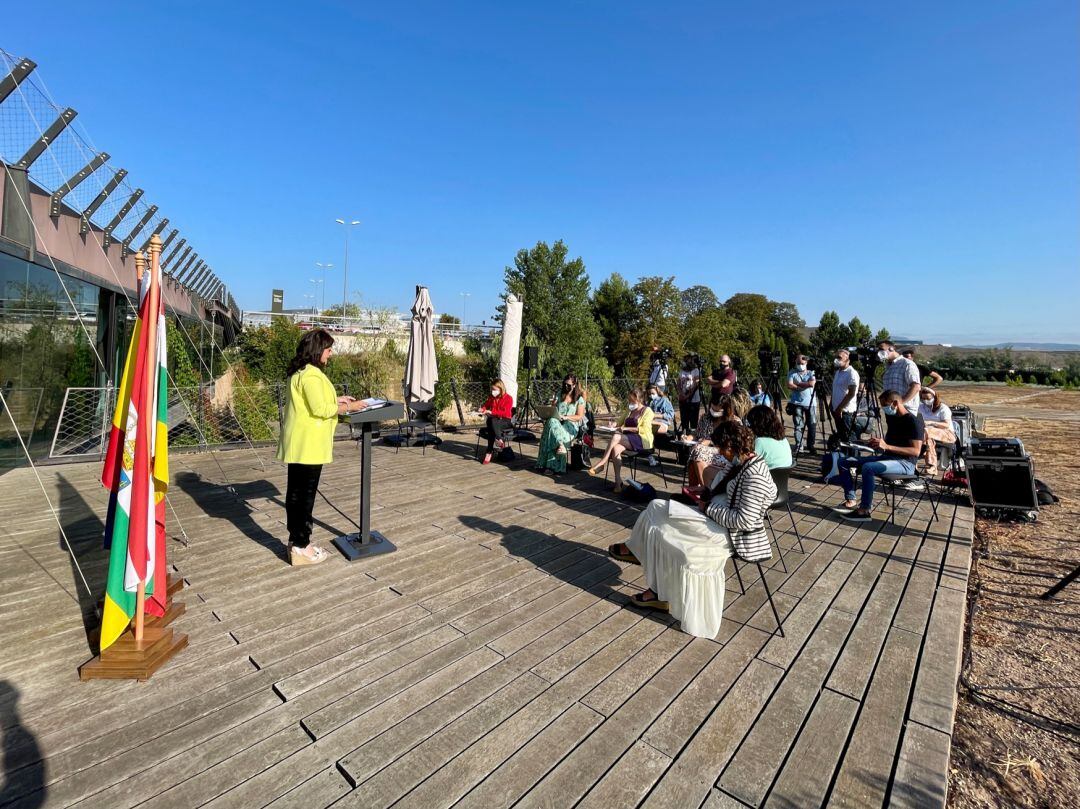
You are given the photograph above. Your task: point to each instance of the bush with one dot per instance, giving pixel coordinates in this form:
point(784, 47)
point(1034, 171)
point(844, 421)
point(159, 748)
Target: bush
point(449, 369)
point(254, 406)
point(377, 372)
point(265, 351)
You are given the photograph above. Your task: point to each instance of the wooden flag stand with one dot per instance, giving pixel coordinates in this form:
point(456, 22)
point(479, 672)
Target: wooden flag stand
point(147, 646)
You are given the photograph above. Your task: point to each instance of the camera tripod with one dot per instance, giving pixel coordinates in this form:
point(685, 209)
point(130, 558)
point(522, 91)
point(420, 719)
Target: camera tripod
point(770, 386)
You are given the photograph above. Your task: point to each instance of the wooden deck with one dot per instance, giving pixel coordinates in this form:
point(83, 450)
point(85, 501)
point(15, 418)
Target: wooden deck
point(489, 662)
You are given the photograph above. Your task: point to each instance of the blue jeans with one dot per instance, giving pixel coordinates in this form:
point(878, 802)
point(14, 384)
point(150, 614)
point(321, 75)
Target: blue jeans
point(871, 466)
point(804, 419)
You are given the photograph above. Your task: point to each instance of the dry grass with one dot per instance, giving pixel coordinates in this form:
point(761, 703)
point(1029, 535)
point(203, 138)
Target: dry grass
point(1025, 650)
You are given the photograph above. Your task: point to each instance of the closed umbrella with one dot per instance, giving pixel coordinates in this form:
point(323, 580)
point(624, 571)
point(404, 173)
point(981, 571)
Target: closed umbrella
point(511, 345)
point(421, 371)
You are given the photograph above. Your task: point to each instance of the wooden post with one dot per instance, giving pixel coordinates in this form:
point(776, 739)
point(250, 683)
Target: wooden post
point(140, 266)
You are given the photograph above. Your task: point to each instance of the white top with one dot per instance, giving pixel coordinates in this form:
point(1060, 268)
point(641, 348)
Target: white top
point(843, 380)
point(941, 414)
point(658, 375)
point(686, 379)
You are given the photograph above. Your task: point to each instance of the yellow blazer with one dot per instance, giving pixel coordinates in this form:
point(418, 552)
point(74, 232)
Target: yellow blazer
point(644, 426)
point(311, 414)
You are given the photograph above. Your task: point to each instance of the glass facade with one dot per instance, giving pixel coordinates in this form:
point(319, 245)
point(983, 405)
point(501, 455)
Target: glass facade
point(73, 335)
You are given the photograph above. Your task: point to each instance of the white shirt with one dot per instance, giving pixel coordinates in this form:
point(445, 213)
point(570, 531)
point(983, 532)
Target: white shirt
point(943, 413)
point(658, 376)
point(686, 378)
point(844, 380)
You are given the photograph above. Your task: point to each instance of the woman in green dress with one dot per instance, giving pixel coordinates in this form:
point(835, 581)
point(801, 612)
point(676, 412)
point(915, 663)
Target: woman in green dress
point(562, 428)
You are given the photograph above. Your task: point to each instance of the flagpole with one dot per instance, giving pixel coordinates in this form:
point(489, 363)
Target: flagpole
point(140, 593)
point(151, 381)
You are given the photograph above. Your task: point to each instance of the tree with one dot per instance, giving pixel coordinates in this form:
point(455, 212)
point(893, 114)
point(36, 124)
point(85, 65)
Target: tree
point(751, 312)
point(829, 335)
point(351, 310)
point(697, 299)
point(710, 333)
point(858, 332)
point(786, 322)
point(882, 334)
point(557, 315)
point(613, 307)
point(657, 321)
point(449, 320)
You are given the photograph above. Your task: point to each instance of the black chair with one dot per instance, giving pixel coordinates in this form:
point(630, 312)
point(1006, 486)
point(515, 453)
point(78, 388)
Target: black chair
point(508, 435)
point(765, 584)
point(894, 486)
point(780, 477)
point(631, 457)
point(416, 424)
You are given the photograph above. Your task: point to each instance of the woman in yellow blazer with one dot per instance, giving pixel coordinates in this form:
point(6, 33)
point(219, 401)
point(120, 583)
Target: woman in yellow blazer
point(635, 434)
point(307, 438)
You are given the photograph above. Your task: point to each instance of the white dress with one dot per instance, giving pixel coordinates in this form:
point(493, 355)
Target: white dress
point(683, 554)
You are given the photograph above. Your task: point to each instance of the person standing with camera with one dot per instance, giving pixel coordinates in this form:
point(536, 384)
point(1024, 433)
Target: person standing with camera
point(688, 387)
point(800, 404)
point(901, 375)
point(658, 367)
point(845, 394)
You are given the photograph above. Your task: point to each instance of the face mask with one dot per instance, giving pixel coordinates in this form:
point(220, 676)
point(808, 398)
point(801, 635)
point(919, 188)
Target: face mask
point(801, 366)
point(715, 414)
point(928, 402)
point(567, 386)
point(837, 364)
point(889, 410)
point(495, 392)
point(883, 355)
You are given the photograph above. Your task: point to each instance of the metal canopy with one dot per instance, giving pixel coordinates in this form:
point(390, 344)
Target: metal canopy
point(168, 259)
point(116, 220)
point(15, 78)
point(94, 164)
point(91, 209)
point(51, 134)
point(146, 217)
point(157, 232)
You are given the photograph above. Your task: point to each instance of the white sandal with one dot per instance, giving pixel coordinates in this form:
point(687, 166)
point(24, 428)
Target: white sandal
point(298, 558)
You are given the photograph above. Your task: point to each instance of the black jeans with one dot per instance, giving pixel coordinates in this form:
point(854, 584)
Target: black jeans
point(688, 415)
point(496, 426)
point(300, 500)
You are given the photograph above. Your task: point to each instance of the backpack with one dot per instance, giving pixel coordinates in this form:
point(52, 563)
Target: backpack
point(1045, 494)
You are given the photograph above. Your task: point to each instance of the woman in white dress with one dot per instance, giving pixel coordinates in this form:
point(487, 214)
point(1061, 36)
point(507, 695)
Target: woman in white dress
point(683, 549)
point(937, 420)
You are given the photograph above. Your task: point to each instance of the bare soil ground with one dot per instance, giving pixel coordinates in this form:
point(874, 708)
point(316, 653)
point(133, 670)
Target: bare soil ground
point(1024, 652)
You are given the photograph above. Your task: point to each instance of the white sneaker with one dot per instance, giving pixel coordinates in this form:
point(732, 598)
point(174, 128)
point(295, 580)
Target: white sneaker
point(915, 485)
point(653, 461)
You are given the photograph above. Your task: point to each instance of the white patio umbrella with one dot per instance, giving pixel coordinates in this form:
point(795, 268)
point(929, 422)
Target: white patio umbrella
point(421, 371)
point(511, 345)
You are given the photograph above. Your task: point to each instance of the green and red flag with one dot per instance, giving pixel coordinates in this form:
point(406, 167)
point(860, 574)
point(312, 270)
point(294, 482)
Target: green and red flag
point(136, 471)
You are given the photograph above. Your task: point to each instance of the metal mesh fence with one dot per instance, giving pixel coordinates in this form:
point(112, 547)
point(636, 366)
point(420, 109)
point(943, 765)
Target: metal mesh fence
point(23, 407)
point(607, 396)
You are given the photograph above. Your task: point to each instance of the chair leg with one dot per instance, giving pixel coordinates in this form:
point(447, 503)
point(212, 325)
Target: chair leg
point(660, 462)
point(776, 542)
point(795, 526)
point(768, 595)
point(738, 576)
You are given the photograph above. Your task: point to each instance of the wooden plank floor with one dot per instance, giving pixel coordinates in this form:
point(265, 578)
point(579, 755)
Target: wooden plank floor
point(491, 661)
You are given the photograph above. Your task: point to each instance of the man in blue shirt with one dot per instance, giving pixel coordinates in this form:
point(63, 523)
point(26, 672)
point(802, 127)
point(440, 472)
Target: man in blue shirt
point(801, 383)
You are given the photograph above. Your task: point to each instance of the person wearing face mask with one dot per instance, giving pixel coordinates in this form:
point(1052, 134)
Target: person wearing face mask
point(499, 409)
point(683, 549)
point(937, 421)
point(688, 386)
point(801, 403)
point(901, 375)
point(635, 433)
point(663, 411)
point(897, 453)
point(845, 392)
point(722, 380)
point(758, 396)
point(561, 429)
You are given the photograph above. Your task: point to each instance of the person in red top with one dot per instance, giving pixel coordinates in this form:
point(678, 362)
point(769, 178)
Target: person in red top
point(499, 408)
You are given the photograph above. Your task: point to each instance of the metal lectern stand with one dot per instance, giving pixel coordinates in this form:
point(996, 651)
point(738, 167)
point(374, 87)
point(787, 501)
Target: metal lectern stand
point(367, 542)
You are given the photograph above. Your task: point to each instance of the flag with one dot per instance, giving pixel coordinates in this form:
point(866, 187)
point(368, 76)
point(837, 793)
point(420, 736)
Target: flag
point(136, 472)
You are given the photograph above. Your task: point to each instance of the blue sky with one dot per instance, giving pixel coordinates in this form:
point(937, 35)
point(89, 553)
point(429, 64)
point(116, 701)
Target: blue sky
point(830, 154)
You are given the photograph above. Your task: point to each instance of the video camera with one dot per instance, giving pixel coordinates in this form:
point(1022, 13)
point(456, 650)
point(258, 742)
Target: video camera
point(866, 354)
point(768, 361)
point(661, 355)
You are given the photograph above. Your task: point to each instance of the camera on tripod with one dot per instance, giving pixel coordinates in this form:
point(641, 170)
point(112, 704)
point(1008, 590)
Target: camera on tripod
point(661, 355)
point(769, 361)
point(866, 354)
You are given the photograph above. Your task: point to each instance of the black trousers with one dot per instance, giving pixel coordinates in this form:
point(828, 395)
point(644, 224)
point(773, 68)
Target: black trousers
point(496, 426)
point(300, 500)
point(688, 415)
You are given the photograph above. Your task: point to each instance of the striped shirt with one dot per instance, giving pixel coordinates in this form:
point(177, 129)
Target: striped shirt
point(750, 494)
point(900, 374)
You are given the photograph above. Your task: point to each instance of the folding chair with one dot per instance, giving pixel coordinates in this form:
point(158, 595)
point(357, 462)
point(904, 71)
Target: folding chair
point(416, 423)
point(765, 584)
point(780, 478)
point(630, 459)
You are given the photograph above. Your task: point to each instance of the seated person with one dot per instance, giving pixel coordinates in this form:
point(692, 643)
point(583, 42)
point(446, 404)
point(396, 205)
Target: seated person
point(703, 452)
point(737, 406)
point(562, 428)
point(634, 433)
point(663, 411)
point(683, 549)
point(770, 443)
point(897, 455)
point(758, 396)
point(499, 409)
point(937, 422)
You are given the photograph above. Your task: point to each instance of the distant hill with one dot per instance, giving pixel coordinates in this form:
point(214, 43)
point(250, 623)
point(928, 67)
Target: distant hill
point(1032, 346)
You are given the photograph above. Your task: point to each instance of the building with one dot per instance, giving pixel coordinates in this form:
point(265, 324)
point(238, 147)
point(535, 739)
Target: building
point(70, 227)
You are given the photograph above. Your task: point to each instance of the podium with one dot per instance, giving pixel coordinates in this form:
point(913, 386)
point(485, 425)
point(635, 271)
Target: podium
point(365, 542)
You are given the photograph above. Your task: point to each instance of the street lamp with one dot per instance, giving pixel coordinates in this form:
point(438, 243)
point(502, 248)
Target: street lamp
point(314, 297)
point(324, 268)
point(464, 300)
point(345, 281)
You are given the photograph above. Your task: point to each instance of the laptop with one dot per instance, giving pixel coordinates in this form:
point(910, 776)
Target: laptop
point(547, 411)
